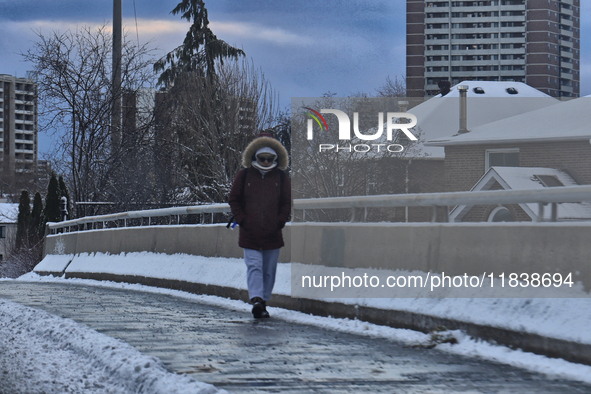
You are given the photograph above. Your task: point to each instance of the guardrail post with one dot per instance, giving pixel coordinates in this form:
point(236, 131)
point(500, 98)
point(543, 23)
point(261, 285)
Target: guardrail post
point(352, 214)
point(540, 217)
point(434, 214)
point(446, 214)
point(554, 216)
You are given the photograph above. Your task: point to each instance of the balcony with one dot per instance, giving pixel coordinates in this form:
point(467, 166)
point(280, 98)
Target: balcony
point(568, 76)
point(437, 74)
point(24, 92)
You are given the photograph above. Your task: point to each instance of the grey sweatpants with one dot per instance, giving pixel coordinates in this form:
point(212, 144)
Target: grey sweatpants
point(261, 267)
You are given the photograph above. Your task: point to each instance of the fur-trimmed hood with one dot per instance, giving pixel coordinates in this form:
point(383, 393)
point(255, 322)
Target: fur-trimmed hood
point(261, 142)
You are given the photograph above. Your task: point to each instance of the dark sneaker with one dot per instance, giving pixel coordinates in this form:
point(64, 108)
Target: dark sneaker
point(265, 314)
point(258, 308)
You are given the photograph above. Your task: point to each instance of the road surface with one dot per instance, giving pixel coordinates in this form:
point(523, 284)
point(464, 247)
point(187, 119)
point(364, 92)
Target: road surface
point(233, 351)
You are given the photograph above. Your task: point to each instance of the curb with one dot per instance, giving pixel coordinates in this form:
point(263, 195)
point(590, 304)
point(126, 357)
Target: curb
point(534, 343)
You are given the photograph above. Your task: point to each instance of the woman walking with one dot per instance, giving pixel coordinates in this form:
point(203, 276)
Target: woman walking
point(260, 200)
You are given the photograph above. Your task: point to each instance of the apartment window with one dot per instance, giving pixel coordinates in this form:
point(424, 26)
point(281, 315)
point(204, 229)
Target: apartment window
point(2, 231)
point(501, 158)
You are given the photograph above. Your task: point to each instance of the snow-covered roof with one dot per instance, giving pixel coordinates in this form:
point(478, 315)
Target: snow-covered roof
point(8, 212)
point(495, 89)
point(439, 116)
point(567, 120)
point(529, 178)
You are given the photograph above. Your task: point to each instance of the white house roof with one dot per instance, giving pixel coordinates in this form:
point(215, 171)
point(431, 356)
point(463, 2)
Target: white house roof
point(529, 178)
point(439, 116)
point(8, 212)
point(567, 120)
point(495, 89)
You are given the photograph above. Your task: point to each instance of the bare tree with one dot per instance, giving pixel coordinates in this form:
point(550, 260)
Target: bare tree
point(76, 97)
point(392, 87)
point(212, 121)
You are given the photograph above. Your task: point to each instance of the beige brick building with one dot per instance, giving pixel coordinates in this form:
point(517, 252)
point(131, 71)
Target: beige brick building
point(557, 137)
point(532, 41)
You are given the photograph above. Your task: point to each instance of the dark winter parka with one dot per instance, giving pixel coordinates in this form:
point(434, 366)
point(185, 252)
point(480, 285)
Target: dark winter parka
point(261, 204)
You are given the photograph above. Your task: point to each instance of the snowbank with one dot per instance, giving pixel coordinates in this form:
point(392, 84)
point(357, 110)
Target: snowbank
point(40, 352)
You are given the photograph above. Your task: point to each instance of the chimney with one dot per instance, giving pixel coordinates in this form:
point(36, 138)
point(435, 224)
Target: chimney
point(463, 109)
point(403, 106)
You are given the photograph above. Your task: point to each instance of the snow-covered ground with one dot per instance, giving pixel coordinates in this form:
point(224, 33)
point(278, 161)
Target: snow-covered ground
point(42, 353)
point(554, 368)
point(104, 364)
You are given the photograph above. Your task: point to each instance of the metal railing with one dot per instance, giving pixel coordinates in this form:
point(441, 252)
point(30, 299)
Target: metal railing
point(122, 219)
point(542, 197)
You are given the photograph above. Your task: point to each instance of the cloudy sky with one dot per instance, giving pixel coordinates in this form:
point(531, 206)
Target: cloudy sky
point(304, 47)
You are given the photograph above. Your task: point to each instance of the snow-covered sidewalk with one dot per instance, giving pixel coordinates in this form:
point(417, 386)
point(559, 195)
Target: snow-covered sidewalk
point(566, 319)
point(43, 353)
point(554, 368)
point(75, 357)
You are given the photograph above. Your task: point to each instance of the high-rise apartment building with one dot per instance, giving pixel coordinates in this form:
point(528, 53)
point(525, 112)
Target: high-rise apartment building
point(531, 41)
point(18, 132)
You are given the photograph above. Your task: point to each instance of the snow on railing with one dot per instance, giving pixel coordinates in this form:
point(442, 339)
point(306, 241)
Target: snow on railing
point(122, 219)
point(542, 197)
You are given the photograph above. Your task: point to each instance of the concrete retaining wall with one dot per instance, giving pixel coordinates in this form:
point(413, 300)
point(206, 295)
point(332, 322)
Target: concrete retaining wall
point(206, 240)
point(451, 248)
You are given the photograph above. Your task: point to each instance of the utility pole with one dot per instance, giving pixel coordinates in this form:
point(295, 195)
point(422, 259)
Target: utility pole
point(116, 114)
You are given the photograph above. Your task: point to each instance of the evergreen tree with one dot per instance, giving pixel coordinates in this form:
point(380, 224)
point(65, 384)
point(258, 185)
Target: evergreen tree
point(51, 212)
point(24, 220)
point(200, 50)
point(37, 229)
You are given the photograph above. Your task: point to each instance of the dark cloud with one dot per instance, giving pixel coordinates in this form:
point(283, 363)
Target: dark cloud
point(346, 45)
point(343, 15)
point(71, 10)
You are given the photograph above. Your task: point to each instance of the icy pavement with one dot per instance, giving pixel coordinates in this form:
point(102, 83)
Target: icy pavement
point(216, 340)
point(561, 318)
point(42, 353)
